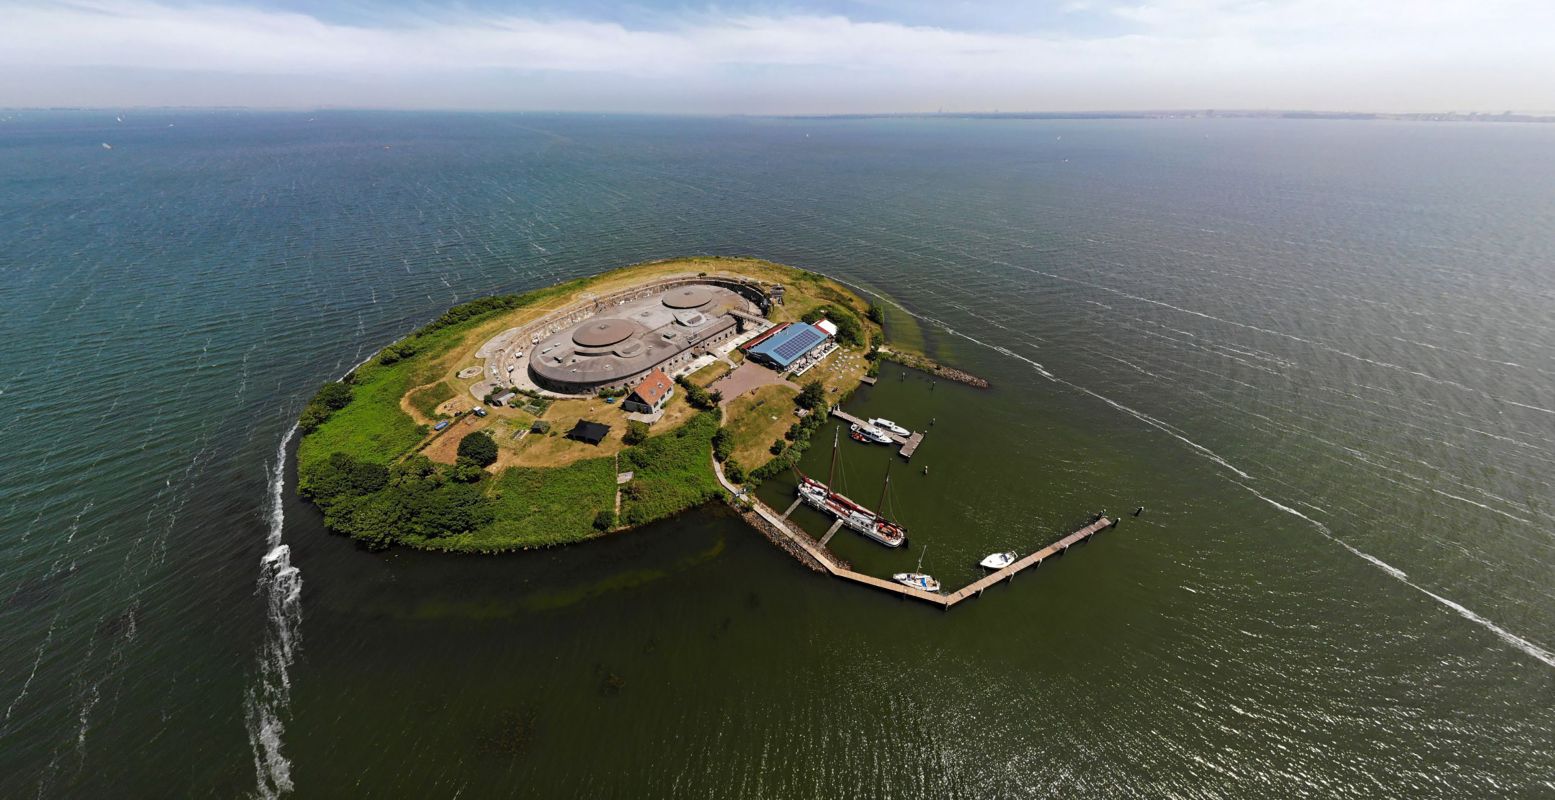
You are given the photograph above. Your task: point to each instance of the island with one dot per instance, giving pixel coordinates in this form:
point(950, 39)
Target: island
point(587, 408)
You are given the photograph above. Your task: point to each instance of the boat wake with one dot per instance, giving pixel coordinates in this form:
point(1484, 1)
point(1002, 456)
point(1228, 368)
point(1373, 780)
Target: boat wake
point(1507, 636)
point(268, 700)
point(1534, 650)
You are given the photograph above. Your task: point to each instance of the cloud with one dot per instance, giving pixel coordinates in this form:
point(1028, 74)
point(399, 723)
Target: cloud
point(1385, 54)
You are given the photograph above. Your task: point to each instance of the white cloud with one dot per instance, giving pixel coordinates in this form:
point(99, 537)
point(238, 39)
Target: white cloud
point(1385, 54)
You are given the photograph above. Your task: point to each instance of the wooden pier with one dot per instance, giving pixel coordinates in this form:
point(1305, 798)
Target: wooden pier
point(1057, 548)
point(834, 567)
point(908, 444)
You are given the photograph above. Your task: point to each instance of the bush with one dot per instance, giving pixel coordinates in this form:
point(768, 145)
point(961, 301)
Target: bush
point(479, 447)
point(723, 444)
point(636, 432)
point(605, 520)
point(734, 472)
point(396, 352)
point(379, 506)
point(330, 397)
point(465, 470)
point(876, 314)
point(698, 397)
point(540, 426)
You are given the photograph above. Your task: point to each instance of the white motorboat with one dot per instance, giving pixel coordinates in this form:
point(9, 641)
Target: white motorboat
point(871, 433)
point(885, 424)
point(917, 580)
point(998, 560)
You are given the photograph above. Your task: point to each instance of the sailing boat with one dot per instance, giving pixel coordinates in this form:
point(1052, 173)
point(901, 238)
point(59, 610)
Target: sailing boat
point(821, 497)
point(918, 580)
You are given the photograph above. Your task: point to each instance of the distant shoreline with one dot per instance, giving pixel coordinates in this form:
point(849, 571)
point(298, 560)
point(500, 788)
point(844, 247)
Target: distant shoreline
point(1449, 116)
point(1411, 116)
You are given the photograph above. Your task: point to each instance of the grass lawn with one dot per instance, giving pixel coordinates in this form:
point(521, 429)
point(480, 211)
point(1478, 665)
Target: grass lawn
point(756, 418)
point(705, 376)
point(540, 507)
point(426, 399)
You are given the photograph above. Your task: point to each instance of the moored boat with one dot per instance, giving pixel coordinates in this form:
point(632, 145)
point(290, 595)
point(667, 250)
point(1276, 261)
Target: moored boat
point(917, 580)
point(821, 497)
point(998, 560)
point(871, 433)
point(887, 425)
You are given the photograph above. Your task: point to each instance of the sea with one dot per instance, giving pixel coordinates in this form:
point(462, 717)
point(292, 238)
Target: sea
point(1309, 364)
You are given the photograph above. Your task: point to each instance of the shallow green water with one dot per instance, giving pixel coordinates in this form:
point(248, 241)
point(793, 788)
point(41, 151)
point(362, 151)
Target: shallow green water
point(1319, 354)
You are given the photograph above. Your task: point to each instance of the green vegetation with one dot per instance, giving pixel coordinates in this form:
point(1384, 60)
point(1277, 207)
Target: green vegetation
point(330, 397)
point(849, 329)
point(360, 460)
point(671, 472)
point(812, 396)
point(426, 399)
point(538, 506)
point(479, 447)
point(698, 397)
point(412, 501)
point(705, 376)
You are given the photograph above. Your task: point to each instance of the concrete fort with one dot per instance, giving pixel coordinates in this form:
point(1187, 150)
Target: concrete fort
point(613, 342)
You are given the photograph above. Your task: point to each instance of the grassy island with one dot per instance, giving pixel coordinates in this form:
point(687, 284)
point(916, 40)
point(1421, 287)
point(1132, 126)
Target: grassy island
point(394, 453)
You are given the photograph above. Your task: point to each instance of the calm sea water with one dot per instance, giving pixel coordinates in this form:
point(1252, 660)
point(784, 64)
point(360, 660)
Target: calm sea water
point(1320, 354)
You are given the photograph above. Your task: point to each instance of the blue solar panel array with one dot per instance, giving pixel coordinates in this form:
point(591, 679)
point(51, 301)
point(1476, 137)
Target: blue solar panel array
point(791, 343)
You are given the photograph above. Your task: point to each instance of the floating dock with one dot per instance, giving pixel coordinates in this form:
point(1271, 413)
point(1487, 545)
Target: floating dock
point(908, 444)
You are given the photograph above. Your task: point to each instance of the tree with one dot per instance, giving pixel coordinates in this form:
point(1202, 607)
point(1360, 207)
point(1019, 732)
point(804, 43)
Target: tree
point(812, 396)
point(605, 520)
point(333, 395)
point(636, 432)
point(723, 444)
point(876, 314)
point(479, 447)
point(465, 470)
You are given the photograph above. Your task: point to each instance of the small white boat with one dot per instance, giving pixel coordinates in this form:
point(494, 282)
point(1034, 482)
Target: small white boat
point(998, 560)
point(917, 580)
point(871, 433)
point(885, 424)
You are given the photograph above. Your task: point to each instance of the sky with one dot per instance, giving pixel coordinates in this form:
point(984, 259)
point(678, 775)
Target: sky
point(797, 57)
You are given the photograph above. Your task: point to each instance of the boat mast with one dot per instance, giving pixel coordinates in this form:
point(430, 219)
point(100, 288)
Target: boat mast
point(880, 506)
point(831, 477)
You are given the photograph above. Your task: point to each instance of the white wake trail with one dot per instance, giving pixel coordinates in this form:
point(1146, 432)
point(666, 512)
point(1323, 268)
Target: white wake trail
point(268, 699)
point(1507, 636)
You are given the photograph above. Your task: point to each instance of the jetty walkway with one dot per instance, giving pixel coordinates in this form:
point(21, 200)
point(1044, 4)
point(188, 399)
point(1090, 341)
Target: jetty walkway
point(909, 444)
point(837, 569)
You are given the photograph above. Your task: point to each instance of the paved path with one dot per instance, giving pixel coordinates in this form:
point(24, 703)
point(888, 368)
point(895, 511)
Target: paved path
point(747, 377)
